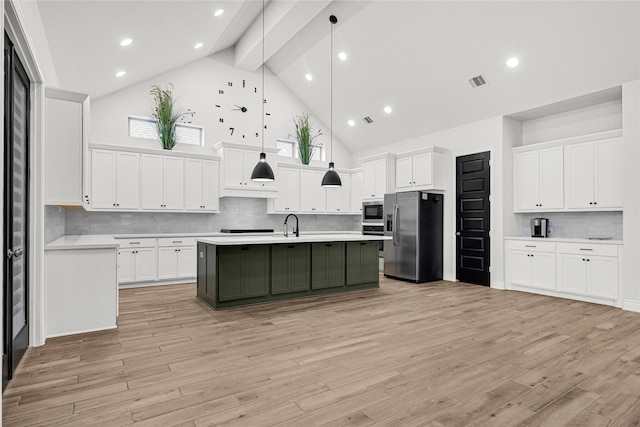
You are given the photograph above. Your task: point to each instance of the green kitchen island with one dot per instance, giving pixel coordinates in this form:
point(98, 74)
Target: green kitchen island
point(241, 270)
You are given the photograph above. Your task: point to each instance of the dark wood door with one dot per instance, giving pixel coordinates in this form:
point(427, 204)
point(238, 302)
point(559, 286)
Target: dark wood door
point(16, 212)
point(472, 218)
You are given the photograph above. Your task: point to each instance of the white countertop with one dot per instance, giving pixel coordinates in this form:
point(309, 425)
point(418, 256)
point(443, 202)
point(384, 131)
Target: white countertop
point(84, 241)
point(565, 240)
point(219, 234)
point(243, 239)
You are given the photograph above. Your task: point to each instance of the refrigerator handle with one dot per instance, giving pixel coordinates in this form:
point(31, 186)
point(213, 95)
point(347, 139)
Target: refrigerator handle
point(396, 237)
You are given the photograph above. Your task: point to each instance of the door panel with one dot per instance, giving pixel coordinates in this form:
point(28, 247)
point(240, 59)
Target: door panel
point(572, 273)
point(167, 263)
point(152, 181)
point(103, 179)
point(187, 261)
point(404, 173)
point(544, 270)
point(210, 194)
point(145, 264)
point(603, 277)
point(407, 229)
point(578, 178)
point(173, 177)
point(128, 181)
point(194, 184)
point(526, 167)
point(423, 169)
point(519, 267)
point(608, 173)
point(551, 178)
point(126, 265)
point(473, 218)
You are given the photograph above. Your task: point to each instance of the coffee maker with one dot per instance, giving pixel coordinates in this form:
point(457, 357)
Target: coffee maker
point(539, 227)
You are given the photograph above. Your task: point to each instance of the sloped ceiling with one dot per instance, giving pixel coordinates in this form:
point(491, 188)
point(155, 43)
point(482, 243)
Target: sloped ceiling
point(415, 56)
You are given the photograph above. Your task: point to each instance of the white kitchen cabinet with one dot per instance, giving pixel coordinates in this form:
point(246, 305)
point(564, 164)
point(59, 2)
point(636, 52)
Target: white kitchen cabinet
point(356, 192)
point(115, 180)
point(136, 264)
point(288, 199)
point(162, 182)
point(593, 176)
point(238, 162)
point(312, 194)
point(588, 269)
point(338, 197)
point(201, 185)
point(538, 177)
point(65, 134)
point(420, 170)
point(531, 264)
point(176, 258)
point(378, 176)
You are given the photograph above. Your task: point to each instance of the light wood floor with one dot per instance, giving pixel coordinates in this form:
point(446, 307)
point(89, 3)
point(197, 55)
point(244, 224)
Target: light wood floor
point(439, 354)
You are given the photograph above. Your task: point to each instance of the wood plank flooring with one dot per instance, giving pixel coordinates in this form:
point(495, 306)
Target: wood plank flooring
point(437, 354)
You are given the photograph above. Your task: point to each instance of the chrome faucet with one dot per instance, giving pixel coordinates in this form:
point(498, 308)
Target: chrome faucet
point(295, 230)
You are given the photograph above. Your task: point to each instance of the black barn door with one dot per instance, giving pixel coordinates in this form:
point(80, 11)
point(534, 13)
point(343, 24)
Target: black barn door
point(472, 218)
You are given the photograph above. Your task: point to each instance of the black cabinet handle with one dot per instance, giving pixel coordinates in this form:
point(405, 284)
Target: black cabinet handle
point(329, 244)
point(291, 247)
point(363, 243)
point(244, 248)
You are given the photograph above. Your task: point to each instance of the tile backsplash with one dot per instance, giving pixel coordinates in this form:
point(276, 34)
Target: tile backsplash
point(235, 212)
point(579, 224)
point(54, 223)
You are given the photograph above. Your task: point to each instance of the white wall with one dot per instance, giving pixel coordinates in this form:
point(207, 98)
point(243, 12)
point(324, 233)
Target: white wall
point(485, 135)
point(196, 87)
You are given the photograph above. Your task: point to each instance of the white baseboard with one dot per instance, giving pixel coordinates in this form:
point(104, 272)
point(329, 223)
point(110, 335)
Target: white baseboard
point(631, 305)
point(159, 283)
point(498, 284)
point(82, 331)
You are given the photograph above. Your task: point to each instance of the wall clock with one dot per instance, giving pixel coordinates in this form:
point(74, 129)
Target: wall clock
point(239, 110)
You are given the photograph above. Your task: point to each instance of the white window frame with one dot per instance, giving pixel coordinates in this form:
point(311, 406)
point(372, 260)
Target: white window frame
point(178, 125)
point(296, 155)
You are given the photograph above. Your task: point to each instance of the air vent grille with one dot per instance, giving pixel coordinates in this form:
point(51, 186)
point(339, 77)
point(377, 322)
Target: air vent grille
point(367, 120)
point(477, 81)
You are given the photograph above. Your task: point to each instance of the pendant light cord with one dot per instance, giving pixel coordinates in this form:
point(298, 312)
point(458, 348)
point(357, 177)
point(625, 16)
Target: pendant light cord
point(331, 92)
point(262, 101)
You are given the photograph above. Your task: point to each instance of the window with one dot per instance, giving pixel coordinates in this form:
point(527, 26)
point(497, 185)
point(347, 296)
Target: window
point(289, 148)
point(145, 127)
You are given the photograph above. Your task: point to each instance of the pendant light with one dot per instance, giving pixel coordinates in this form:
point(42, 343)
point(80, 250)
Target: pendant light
point(331, 178)
point(262, 171)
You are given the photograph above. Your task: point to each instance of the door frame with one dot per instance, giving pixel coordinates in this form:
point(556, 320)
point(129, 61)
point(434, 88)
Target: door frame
point(13, 25)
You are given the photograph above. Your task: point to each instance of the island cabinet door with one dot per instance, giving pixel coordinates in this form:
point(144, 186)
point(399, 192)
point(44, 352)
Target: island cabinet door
point(362, 262)
point(327, 265)
point(256, 268)
point(243, 272)
point(290, 269)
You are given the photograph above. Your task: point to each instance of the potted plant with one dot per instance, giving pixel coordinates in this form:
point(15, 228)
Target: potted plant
point(166, 115)
point(306, 138)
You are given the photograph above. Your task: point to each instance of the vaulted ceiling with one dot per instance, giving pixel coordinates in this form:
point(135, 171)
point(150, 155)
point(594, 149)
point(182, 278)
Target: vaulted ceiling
point(414, 56)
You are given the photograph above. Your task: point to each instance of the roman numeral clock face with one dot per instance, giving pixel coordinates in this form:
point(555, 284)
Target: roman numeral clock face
point(239, 111)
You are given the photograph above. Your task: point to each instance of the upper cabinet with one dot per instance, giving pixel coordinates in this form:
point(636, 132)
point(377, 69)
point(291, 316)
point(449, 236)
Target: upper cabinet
point(538, 177)
point(312, 194)
point(65, 133)
point(356, 192)
point(421, 170)
point(199, 194)
point(238, 161)
point(338, 197)
point(576, 174)
point(162, 182)
point(378, 176)
point(288, 200)
point(593, 176)
point(115, 178)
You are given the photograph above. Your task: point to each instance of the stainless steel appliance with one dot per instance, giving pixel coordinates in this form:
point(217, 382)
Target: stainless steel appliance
point(372, 212)
point(375, 230)
point(414, 220)
point(539, 227)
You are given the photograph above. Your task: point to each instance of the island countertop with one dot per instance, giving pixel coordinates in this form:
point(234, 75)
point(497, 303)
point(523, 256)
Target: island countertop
point(291, 239)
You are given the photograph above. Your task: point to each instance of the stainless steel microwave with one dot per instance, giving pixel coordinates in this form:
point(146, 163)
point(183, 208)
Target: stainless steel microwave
point(372, 212)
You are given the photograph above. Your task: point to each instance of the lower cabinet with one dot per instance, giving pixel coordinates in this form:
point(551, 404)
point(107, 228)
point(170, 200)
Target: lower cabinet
point(591, 271)
point(243, 272)
point(362, 262)
point(136, 265)
point(176, 258)
point(532, 268)
point(290, 268)
point(327, 265)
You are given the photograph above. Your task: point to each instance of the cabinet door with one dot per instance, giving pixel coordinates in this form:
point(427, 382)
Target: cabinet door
point(234, 168)
point(211, 185)
point(519, 268)
point(361, 263)
point(338, 197)
point(404, 173)
point(423, 169)
point(290, 268)
point(380, 178)
point(572, 273)
point(327, 265)
point(146, 264)
point(288, 199)
point(194, 180)
point(173, 178)
point(551, 178)
point(167, 263)
point(312, 194)
point(526, 180)
point(128, 181)
point(578, 173)
point(152, 181)
point(230, 272)
point(369, 179)
point(603, 277)
point(256, 271)
point(356, 193)
point(126, 272)
point(251, 159)
point(103, 179)
point(544, 270)
point(608, 173)
point(186, 262)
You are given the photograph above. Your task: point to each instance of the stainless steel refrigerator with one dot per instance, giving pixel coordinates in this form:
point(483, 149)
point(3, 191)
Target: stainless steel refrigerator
point(414, 220)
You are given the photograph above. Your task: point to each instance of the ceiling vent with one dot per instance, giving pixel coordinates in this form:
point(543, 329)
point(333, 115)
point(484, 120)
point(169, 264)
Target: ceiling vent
point(367, 120)
point(477, 81)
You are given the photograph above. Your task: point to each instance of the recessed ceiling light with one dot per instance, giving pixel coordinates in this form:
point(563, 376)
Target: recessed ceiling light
point(308, 76)
point(351, 123)
point(342, 56)
point(121, 73)
point(218, 12)
point(125, 42)
point(512, 62)
point(198, 45)
point(387, 109)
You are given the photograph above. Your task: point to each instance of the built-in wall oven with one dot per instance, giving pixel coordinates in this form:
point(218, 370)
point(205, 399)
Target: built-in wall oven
point(372, 221)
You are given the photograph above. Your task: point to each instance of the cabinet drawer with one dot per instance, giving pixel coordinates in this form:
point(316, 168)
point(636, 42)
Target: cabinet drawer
point(176, 241)
point(137, 243)
point(588, 249)
point(529, 245)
